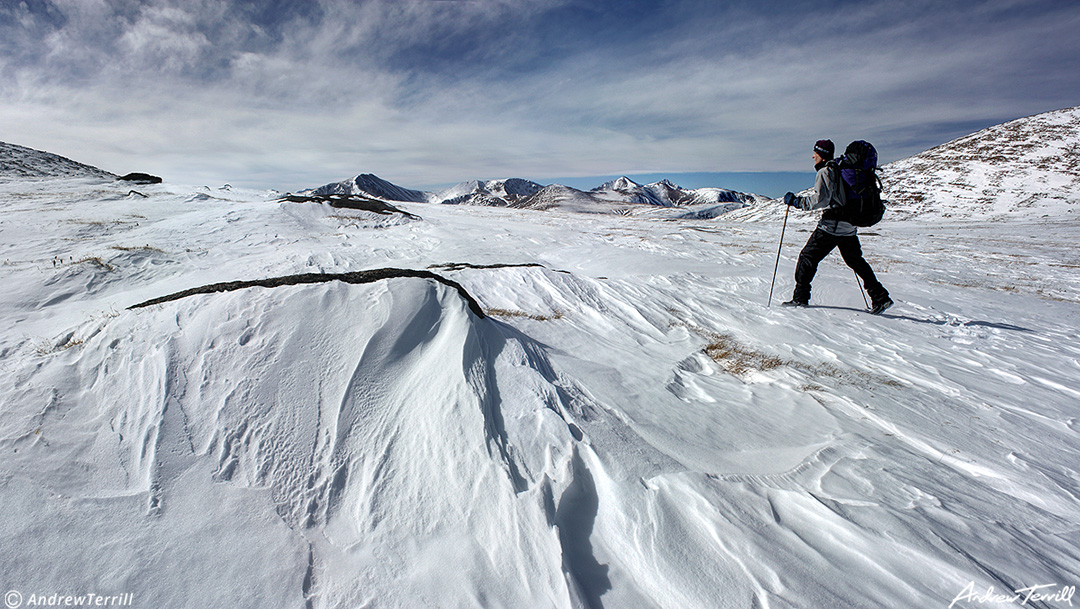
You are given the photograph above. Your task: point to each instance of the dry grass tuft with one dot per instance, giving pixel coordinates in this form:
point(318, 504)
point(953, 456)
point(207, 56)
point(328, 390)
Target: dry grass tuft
point(138, 248)
point(522, 314)
point(739, 359)
point(45, 347)
point(95, 261)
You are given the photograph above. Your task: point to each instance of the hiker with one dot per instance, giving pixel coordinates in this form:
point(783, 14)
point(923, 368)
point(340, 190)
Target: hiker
point(832, 232)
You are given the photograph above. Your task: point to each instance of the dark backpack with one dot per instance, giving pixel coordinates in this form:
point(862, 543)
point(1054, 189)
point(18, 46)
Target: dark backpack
point(862, 187)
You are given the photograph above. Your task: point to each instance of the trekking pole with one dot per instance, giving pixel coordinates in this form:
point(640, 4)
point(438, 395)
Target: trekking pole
point(787, 208)
point(861, 290)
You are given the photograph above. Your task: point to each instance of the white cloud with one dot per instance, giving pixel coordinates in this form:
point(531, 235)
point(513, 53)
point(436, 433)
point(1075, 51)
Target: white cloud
point(431, 92)
point(164, 39)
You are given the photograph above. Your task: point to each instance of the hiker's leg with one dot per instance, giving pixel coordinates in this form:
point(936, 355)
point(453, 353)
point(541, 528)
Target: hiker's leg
point(851, 250)
point(817, 247)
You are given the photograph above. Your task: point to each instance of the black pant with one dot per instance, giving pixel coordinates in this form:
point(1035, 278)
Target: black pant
point(817, 247)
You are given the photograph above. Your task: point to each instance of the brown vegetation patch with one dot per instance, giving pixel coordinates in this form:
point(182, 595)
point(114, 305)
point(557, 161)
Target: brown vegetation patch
point(741, 360)
point(521, 314)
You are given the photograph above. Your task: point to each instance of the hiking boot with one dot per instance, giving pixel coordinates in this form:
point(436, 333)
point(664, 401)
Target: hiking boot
point(879, 307)
point(797, 303)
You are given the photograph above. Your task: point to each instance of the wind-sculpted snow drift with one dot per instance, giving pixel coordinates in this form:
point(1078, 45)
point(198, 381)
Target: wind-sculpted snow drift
point(378, 435)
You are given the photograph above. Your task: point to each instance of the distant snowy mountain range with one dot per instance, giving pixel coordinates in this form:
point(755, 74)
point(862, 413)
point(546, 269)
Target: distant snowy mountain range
point(619, 196)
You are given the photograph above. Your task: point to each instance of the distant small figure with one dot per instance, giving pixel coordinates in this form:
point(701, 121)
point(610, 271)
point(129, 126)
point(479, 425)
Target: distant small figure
point(833, 231)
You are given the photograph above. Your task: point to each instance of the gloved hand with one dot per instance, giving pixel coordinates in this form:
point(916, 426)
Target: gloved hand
point(789, 199)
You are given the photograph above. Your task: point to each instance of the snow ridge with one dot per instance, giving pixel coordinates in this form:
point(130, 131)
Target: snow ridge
point(356, 277)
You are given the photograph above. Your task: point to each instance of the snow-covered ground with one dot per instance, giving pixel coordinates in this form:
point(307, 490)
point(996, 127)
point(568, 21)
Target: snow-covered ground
point(629, 426)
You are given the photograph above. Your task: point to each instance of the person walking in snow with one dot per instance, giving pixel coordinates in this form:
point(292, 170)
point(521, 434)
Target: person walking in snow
point(832, 232)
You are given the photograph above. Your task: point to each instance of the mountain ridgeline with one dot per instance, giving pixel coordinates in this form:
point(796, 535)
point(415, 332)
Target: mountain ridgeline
point(617, 196)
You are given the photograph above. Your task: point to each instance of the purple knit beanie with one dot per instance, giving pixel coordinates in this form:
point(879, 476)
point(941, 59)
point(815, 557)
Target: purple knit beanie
point(825, 148)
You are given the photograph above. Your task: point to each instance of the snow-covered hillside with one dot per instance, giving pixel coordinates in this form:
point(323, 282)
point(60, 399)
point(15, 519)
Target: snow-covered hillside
point(1027, 167)
point(626, 424)
point(19, 162)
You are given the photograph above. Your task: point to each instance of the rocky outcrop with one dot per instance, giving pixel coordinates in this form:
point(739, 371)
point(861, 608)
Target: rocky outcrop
point(351, 202)
point(140, 178)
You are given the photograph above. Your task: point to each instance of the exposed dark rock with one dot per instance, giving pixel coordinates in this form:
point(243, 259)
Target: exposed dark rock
point(356, 277)
point(457, 266)
point(351, 202)
point(140, 178)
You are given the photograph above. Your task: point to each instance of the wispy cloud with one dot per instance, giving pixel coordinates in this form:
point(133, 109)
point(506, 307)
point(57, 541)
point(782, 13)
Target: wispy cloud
point(296, 93)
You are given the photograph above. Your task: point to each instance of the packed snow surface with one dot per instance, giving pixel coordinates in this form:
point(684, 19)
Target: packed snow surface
point(629, 425)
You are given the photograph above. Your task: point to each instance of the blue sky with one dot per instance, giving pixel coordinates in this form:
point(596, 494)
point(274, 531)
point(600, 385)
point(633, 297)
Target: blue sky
point(290, 94)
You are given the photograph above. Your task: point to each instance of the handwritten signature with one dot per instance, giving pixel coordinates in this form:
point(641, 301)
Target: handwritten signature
point(1047, 593)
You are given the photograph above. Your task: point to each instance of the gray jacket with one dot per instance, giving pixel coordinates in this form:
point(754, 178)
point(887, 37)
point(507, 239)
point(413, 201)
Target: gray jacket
point(828, 194)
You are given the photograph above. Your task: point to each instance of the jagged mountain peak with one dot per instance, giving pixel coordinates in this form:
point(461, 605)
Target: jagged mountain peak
point(371, 185)
point(622, 183)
